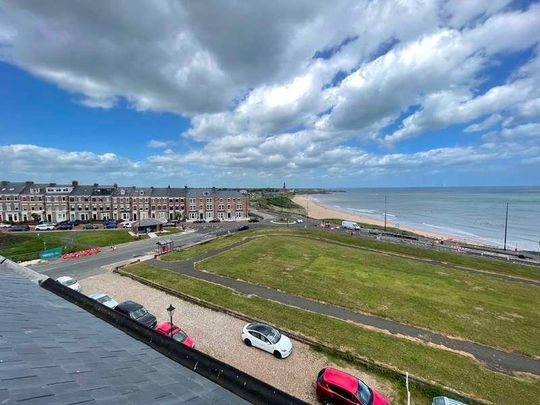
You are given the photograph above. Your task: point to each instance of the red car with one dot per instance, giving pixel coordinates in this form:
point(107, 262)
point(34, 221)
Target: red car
point(337, 387)
point(177, 334)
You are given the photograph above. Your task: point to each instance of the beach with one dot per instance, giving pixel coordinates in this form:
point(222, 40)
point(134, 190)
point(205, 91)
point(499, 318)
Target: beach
point(317, 211)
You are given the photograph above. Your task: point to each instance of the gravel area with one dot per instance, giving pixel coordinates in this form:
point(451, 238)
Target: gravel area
point(218, 335)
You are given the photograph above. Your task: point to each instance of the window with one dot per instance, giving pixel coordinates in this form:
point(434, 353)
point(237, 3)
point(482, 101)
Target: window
point(342, 392)
point(239, 214)
point(238, 206)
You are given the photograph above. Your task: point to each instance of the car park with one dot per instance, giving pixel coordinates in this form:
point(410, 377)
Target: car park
point(174, 331)
point(19, 228)
point(70, 283)
point(338, 387)
point(65, 226)
point(90, 226)
point(137, 312)
point(44, 227)
point(104, 299)
point(267, 338)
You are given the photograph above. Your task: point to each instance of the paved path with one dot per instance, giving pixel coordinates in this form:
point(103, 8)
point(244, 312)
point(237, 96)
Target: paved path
point(493, 358)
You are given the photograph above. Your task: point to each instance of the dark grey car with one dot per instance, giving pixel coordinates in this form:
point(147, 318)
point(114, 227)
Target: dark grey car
point(137, 312)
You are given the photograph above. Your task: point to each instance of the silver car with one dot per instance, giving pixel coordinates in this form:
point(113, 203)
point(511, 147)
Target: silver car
point(104, 299)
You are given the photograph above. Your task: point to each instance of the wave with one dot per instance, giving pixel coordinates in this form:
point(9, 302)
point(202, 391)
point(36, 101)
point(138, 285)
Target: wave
point(448, 229)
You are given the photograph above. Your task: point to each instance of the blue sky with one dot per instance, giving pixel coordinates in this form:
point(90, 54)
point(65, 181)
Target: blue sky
point(167, 92)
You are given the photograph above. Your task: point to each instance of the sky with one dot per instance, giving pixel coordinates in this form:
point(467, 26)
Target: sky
point(255, 93)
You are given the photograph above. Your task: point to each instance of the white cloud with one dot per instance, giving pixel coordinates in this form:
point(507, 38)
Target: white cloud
point(245, 75)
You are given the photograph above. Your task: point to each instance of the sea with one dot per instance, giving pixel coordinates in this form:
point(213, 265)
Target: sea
point(472, 213)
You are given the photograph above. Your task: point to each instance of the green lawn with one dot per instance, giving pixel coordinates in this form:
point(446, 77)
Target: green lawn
point(476, 307)
point(26, 246)
point(447, 368)
point(199, 249)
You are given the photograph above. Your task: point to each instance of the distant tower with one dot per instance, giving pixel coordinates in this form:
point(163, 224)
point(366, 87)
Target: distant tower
point(284, 187)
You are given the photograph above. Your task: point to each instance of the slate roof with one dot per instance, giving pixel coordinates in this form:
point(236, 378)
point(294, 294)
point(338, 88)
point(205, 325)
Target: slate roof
point(209, 192)
point(53, 352)
point(8, 187)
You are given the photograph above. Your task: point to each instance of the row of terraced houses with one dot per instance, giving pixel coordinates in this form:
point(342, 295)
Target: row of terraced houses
point(26, 201)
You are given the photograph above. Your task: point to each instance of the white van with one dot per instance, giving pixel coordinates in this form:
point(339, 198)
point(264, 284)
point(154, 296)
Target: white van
point(350, 225)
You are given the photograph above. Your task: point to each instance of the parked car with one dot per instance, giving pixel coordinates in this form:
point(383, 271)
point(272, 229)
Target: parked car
point(104, 299)
point(214, 220)
point(4, 226)
point(69, 282)
point(64, 226)
point(44, 227)
point(137, 312)
point(243, 228)
point(127, 224)
point(90, 226)
point(169, 225)
point(75, 222)
point(267, 338)
point(337, 387)
point(253, 219)
point(199, 221)
point(19, 228)
point(171, 330)
point(110, 225)
point(299, 220)
point(445, 401)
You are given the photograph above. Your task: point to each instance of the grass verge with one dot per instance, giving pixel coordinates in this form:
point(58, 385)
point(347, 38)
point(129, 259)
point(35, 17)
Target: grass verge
point(472, 306)
point(443, 367)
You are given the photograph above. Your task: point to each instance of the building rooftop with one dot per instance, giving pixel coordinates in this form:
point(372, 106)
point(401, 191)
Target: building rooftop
point(53, 352)
point(8, 187)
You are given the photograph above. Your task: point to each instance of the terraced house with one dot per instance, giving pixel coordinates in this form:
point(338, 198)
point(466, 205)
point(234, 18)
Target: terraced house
point(28, 201)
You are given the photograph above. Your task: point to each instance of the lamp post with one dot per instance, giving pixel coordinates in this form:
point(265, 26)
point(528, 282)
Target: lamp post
point(170, 310)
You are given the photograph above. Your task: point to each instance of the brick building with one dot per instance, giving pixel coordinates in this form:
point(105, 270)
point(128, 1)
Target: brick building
point(24, 201)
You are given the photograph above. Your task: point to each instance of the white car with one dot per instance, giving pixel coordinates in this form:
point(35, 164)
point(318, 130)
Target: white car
point(70, 283)
point(104, 299)
point(299, 220)
point(44, 227)
point(2, 226)
point(127, 224)
point(267, 338)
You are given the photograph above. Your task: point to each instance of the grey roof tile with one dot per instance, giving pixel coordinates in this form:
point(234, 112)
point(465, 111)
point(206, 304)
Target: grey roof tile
point(57, 353)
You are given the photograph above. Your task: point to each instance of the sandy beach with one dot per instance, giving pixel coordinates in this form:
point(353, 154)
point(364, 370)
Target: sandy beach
point(318, 211)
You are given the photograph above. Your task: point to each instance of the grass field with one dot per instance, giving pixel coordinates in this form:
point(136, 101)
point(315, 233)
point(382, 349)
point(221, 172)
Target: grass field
point(26, 246)
point(491, 265)
point(477, 307)
point(450, 369)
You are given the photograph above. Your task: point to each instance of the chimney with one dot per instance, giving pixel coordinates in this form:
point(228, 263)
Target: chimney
point(96, 184)
point(185, 186)
point(115, 185)
point(74, 183)
point(213, 189)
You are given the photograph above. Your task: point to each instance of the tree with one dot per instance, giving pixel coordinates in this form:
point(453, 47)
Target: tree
point(35, 217)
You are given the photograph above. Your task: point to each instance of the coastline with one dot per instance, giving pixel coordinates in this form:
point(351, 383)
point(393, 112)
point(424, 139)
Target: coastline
point(317, 211)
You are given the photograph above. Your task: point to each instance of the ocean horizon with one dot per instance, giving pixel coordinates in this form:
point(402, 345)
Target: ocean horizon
point(472, 213)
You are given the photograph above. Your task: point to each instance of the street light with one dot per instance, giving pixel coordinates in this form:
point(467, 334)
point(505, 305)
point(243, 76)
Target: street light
point(170, 310)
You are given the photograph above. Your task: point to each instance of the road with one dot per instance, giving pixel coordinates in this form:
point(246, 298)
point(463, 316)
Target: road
point(92, 265)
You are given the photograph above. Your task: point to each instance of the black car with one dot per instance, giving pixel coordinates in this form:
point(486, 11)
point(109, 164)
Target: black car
point(64, 226)
point(137, 312)
point(19, 228)
point(110, 225)
point(75, 222)
point(199, 221)
point(243, 228)
point(253, 220)
point(215, 220)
